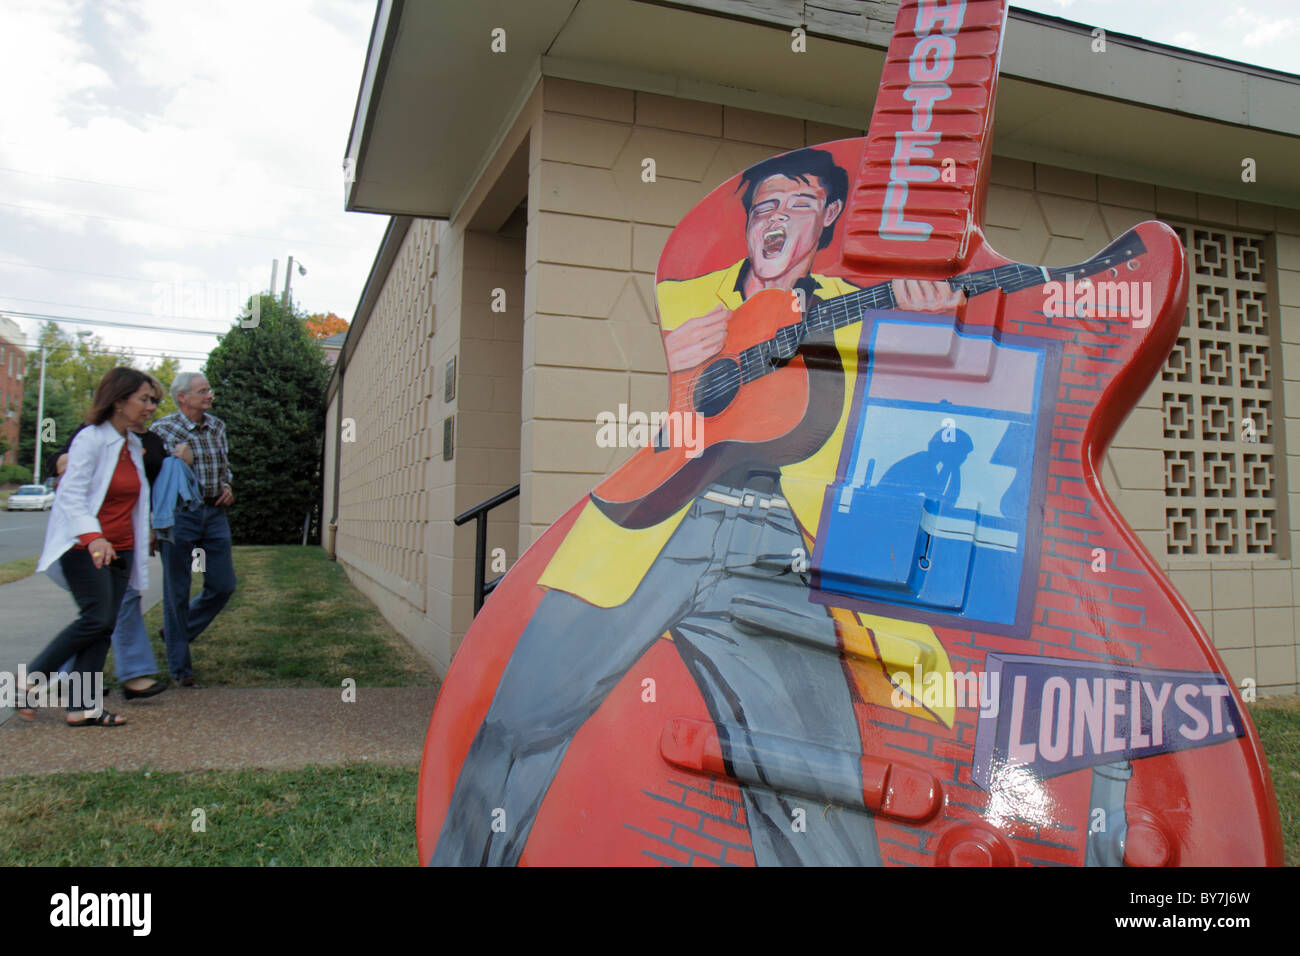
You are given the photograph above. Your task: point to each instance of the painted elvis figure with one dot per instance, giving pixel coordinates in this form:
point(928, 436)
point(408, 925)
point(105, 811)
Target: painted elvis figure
point(703, 575)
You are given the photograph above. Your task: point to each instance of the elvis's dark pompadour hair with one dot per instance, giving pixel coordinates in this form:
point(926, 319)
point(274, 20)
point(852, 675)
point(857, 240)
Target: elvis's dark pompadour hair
point(801, 164)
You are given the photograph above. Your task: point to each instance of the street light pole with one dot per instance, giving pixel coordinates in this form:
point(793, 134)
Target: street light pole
point(288, 280)
point(40, 416)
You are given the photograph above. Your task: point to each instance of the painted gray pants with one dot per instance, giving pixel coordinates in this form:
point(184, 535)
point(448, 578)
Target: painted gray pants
point(782, 706)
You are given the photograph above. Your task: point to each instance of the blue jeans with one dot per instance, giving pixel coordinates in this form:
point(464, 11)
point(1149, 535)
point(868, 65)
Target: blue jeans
point(183, 620)
point(132, 652)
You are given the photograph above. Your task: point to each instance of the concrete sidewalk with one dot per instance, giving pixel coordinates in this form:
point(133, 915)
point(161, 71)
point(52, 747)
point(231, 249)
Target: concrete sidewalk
point(226, 729)
point(35, 609)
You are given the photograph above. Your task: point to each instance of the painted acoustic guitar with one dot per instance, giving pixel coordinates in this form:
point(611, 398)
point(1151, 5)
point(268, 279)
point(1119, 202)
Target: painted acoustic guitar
point(764, 365)
point(1019, 682)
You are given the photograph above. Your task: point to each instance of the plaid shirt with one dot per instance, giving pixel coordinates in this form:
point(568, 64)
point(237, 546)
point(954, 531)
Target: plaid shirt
point(208, 443)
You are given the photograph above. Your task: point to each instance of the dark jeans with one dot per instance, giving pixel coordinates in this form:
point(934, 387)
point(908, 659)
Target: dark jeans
point(98, 593)
point(205, 527)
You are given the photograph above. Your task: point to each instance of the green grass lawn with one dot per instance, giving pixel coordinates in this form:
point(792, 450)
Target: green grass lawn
point(1278, 722)
point(361, 815)
point(16, 570)
point(295, 621)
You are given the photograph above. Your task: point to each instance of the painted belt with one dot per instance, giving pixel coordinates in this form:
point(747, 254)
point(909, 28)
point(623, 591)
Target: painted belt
point(746, 500)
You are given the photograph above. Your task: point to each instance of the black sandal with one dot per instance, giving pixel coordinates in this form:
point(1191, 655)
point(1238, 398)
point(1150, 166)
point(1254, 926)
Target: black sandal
point(103, 720)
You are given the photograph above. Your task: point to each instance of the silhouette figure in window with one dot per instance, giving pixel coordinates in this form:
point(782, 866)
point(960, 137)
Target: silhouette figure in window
point(935, 472)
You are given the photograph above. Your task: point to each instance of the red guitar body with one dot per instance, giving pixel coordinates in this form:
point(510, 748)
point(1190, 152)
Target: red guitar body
point(640, 689)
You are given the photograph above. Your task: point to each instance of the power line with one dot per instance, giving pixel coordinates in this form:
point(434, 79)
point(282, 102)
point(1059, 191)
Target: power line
point(146, 189)
point(161, 225)
point(80, 272)
point(104, 308)
point(125, 353)
point(63, 319)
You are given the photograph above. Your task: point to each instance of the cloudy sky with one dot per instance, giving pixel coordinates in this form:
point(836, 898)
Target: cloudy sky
point(1263, 32)
point(156, 155)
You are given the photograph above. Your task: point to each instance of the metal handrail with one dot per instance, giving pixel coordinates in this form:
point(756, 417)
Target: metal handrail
point(480, 514)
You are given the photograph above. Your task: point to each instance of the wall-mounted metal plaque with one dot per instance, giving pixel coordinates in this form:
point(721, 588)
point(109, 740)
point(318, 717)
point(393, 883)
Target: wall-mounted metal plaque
point(449, 381)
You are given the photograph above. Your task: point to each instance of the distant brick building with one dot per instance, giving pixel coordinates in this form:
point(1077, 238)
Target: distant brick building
point(13, 370)
point(331, 346)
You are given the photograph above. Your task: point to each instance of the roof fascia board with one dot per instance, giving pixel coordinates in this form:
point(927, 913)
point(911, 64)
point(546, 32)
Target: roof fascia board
point(1038, 45)
point(383, 36)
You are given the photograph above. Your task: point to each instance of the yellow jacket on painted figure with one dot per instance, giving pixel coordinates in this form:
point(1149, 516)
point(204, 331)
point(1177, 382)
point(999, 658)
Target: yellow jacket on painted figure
point(603, 562)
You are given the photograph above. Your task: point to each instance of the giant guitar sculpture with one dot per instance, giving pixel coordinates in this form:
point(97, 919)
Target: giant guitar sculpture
point(886, 614)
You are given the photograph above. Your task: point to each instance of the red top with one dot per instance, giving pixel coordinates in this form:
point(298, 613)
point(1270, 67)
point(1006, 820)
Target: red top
point(119, 504)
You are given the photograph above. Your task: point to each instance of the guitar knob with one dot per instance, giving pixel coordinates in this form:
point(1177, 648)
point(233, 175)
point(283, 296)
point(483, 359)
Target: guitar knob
point(1149, 841)
point(974, 844)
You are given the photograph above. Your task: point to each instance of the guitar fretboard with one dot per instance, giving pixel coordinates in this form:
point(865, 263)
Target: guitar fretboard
point(829, 315)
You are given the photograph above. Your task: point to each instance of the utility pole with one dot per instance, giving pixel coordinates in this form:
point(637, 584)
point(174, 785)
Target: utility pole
point(275, 267)
point(40, 415)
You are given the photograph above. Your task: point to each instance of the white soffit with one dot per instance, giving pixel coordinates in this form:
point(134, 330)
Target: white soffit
point(442, 97)
point(1137, 111)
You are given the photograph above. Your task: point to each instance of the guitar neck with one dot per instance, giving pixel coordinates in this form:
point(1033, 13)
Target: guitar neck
point(834, 314)
point(830, 315)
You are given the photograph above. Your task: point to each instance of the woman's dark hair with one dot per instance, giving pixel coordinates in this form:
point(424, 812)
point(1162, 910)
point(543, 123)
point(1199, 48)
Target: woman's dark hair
point(117, 385)
point(801, 164)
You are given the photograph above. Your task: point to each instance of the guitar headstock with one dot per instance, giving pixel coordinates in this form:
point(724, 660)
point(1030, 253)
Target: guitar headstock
point(919, 202)
point(1124, 251)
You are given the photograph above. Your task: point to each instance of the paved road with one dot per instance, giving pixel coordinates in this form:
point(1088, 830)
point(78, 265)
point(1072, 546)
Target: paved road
point(34, 609)
point(22, 533)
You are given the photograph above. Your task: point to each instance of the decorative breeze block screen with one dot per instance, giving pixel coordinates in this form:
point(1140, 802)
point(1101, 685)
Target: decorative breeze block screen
point(1221, 481)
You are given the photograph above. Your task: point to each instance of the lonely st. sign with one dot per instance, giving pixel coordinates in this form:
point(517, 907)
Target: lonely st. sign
point(1055, 716)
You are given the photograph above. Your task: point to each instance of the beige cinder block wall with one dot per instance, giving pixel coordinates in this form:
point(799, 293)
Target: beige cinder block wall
point(384, 472)
point(398, 495)
point(595, 231)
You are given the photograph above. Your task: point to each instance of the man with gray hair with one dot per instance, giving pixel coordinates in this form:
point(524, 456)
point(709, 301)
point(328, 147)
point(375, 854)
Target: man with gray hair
point(200, 539)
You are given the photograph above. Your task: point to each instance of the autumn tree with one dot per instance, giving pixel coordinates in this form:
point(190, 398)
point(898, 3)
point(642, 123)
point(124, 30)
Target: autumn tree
point(322, 326)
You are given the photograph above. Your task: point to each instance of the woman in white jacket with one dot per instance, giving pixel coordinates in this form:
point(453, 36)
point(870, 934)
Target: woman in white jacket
point(97, 540)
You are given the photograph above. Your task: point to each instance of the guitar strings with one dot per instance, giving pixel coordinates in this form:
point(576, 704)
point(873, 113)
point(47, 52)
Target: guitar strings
point(1011, 274)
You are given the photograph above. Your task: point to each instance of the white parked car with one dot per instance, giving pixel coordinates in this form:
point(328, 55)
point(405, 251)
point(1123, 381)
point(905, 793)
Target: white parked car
point(31, 498)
